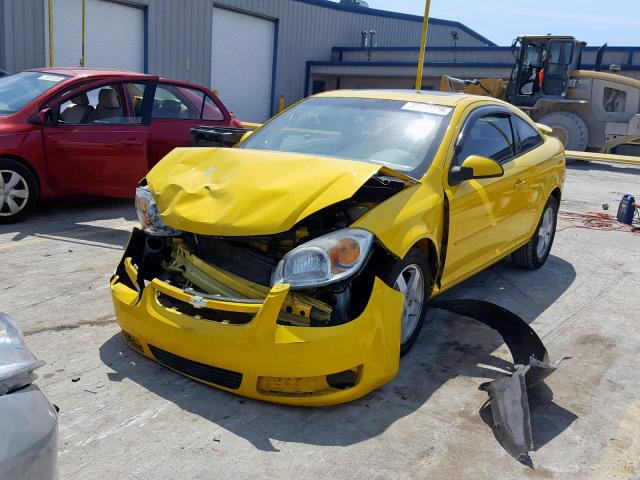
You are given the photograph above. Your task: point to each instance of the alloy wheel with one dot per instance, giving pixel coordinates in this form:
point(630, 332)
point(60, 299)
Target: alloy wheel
point(410, 283)
point(545, 233)
point(14, 193)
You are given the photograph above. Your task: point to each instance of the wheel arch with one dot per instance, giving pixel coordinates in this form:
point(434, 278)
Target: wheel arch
point(555, 192)
point(25, 163)
point(428, 248)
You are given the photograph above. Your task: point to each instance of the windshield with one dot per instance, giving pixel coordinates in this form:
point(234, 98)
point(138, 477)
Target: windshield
point(401, 135)
point(19, 89)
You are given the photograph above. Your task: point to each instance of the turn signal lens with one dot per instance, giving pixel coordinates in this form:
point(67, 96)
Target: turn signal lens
point(344, 255)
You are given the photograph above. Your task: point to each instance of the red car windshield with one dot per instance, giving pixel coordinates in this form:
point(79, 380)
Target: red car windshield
point(18, 90)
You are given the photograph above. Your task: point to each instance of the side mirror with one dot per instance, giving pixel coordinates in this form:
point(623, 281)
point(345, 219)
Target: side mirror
point(245, 135)
point(44, 117)
point(475, 166)
point(545, 128)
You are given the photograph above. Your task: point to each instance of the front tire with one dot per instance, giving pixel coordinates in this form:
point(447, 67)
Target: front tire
point(569, 128)
point(533, 254)
point(412, 277)
point(18, 191)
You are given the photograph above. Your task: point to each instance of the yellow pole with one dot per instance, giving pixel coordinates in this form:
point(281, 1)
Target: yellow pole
point(423, 44)
point(51, 33)
point(84, 12)
point(281, 103)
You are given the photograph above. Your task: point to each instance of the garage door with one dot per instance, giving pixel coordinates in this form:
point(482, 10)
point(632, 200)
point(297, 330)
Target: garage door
point(114, 35)
point(241, 63)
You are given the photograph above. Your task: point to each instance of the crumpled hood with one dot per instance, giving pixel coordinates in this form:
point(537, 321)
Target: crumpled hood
point(238, 192)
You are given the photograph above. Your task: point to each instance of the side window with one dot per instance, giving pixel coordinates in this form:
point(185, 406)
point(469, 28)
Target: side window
point(614, 100)
point(99, 105)
point(529, 137)
point(135, 95)
point(173, 101)
point(560, 52)
point(210, 110)
point(490, 136)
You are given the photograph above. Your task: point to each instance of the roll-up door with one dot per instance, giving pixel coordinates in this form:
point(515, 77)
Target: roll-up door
point(242, 62)
point(114, 34)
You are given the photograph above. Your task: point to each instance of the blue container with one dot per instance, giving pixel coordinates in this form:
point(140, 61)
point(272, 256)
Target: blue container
point(626, 209)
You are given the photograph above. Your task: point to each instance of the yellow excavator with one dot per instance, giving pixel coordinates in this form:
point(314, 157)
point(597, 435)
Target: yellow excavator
point(588, 110)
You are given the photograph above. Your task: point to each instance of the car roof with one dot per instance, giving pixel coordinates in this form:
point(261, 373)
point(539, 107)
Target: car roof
point(449, 99)
point(83, 71)
point(88, 72)
point(77, 72)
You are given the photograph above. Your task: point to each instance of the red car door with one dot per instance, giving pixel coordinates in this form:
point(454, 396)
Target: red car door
point(176, 110)
point(99, 140)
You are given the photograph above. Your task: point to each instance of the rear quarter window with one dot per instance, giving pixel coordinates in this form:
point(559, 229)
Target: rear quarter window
point(528, 136)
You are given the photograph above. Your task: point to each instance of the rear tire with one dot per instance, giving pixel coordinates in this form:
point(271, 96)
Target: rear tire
point(569, 128)
point(18, 191)
point(533, 254)
point(412, 277)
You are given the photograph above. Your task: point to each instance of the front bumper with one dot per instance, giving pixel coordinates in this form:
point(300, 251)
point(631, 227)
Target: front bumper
point(29, 438)
point(261, 359)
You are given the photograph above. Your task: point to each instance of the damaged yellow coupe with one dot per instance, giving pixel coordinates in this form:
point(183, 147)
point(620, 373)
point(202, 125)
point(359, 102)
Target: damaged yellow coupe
point(297, 266)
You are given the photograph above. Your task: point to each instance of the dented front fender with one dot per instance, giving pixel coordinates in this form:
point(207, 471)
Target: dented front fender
point(417, 213)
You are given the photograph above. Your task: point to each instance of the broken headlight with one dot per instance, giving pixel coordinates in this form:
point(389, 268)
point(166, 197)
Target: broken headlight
point(148, 214)
point(17, 363)
point(325, 259)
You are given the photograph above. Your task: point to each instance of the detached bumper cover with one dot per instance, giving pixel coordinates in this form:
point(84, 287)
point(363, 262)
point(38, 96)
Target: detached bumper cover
point(508, 393)
point(261, 359)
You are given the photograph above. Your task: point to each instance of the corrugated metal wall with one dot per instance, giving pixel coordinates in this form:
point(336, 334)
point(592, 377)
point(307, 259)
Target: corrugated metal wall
point(21, 34)
point(3, 43)
point(179, 36)
point(308, 32)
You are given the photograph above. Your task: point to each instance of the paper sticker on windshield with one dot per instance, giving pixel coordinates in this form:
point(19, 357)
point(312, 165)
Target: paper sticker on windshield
point(50, 78)
point(426, 108)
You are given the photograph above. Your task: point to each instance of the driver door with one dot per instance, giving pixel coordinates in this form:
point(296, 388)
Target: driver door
point(98, 142)
point(481, 210)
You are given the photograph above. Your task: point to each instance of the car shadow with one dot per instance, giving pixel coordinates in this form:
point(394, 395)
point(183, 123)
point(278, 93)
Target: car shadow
point(449, 347)
point(77, 220)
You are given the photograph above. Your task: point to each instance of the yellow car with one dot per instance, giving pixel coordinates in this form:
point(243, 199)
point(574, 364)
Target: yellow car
point(297, 266)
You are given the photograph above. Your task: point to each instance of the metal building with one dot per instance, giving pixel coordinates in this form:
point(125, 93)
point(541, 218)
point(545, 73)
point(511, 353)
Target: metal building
point(250, 51)
point(395, 67)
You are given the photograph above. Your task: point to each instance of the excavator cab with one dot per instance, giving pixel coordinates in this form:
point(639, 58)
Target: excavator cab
point(542, 68)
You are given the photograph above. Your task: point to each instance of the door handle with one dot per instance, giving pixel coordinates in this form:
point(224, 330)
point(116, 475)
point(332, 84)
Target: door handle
point(131, 141)
point(520, 183)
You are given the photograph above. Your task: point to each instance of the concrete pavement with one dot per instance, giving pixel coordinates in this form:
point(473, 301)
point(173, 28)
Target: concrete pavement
point(127, 417)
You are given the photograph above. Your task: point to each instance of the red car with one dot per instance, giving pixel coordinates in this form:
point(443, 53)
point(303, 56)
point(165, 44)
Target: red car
point(70, 131)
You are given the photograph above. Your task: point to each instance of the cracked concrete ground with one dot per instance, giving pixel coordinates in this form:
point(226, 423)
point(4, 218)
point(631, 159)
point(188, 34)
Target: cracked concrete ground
point(127, 417)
